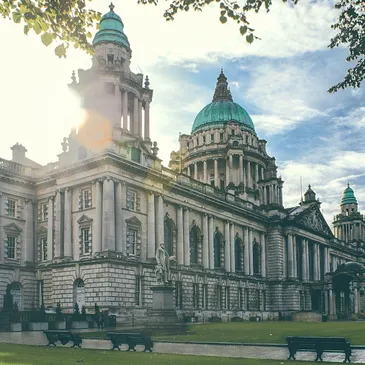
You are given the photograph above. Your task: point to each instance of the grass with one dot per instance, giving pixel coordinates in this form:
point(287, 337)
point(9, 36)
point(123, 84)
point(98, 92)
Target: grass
point(261, 332)
point(11, 354)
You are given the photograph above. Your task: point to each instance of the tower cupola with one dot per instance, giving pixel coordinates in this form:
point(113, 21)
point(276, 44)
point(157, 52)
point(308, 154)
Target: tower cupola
point(349, 202)
point(309, 195)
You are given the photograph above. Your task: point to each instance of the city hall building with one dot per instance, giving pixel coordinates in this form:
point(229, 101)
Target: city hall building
point(85, 229)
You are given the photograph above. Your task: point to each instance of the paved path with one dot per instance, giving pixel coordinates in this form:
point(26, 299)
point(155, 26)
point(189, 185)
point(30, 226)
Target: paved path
point(247, 351)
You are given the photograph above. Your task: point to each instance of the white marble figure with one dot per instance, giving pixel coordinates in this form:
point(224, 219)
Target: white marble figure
point(163, 264)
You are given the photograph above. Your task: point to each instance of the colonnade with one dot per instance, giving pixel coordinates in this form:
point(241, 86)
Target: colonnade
point(348, 231)
point(132, 119)
point(292, 258)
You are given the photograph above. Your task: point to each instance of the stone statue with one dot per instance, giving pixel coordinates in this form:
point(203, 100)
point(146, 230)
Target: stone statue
point(163, 264)
point(8, 300)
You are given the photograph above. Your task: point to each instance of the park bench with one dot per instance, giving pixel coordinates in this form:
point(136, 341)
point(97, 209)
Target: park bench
point(319, 345)
point(64, 337)
point(130, 339)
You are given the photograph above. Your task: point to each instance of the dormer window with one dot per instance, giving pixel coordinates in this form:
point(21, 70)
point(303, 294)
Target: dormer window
point(212, 138)
point(110, 58)
point(197, 141)
point(221, 137)
point(204, 139)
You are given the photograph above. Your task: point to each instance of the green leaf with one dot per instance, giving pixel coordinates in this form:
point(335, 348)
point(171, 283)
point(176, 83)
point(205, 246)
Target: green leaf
point(243, 29)
point(223, 19)
point(17, 17)
point(249, 38)
point(60, 51)
point(47, 39)
point(26, 29)
point(22, 9)
point(37, 28)
point(44, 26)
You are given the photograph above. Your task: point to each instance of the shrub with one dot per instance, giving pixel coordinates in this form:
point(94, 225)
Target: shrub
point(15, 314)
point(83, 313)
point(76, 313)
point(59, 314)
point(237, 319)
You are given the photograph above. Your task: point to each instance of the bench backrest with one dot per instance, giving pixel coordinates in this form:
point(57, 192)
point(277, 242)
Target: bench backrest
point(329, 343)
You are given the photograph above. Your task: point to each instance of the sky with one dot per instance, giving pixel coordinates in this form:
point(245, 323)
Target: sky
point(281, 80)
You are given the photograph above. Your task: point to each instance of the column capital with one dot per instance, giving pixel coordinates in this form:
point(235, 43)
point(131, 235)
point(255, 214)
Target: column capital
point(32, 201)
point(51, 198)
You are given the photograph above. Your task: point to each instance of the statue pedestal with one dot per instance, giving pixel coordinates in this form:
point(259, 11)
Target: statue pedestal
point(162, 311)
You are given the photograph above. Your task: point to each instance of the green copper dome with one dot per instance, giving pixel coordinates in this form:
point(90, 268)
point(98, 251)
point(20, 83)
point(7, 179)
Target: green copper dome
point(348, 196)
point(222, 110)
point(111, 29)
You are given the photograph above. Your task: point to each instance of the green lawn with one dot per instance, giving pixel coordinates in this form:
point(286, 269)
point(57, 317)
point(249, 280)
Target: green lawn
point(41, 355)
point(262, 332)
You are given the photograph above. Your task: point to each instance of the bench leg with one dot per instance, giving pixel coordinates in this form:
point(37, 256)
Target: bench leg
point(147, 348)
point(291, 356)
point(347, 358)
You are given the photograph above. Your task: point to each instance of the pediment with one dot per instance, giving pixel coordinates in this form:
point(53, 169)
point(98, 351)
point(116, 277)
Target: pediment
point(134, 221)
point(42, 230)
point(84, 219)
point(12, 228)
point(313, 219)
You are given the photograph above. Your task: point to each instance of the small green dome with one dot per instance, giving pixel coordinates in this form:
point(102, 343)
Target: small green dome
point(222, 110)
point(111, 29)
point(348, 196)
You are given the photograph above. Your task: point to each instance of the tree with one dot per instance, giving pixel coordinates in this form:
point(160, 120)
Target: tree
point(69, 22)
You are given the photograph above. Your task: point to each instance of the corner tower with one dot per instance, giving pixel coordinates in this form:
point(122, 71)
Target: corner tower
point(349, 225)
point(116, 100)
point(224, 151)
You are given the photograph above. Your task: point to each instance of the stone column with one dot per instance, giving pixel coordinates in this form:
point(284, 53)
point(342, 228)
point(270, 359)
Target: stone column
point(205, 242)
point(118, 106)
point(304, 261)
point(186, 237)
point(227, 172)
point(29, 232)
point(246, 254)
point(280, 195)
point(195, 170)
point(58, 223)
point(151, 245)
point(307, 259)
point(331, 306)
point(50, 229)
point(250, 244)
point(295, 270)
point(242, 178)
point(205, 172)
point(135, 116)
point(290, 255)
point(356, 300)
point(159, 221)
point(256, 173)
point(326, 260)
point(188, 171)
point(125, 110)
point(68, 223)
point(315, 261)
point(147, 120)
point(271, 198)
point(211, 242)
point(230, 168)
point(140, 118)
point(249, 179)
point(97, 236)
point(216, 177)
point(180, 236)
point(120, 237)
point(227, 257)
point(232, 249)
point(108, 216)
point(263, 255)
point(262, 173)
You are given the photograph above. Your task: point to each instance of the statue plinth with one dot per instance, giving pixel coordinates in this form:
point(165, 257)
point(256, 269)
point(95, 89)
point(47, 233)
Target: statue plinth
point(163, 311)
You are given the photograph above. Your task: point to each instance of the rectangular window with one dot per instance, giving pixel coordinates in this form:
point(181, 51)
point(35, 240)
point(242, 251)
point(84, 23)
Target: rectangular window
point(132, 240)
point(131, 199)
point(233, 132)
point(41, 292)
point(11, 244)
point(138, 292)
point(239, 298)
point(221, 137)
point(247, 298)
point(227, 298)
point(44, 212)
point(11, 207)
point(212, 138)
point(204, 139)
point(43, 249)
point(264, 300)
point(219, 297)
point(205, 296)
point(196, 296)
point(86, 198)
point(85, 237)
point(178, 294)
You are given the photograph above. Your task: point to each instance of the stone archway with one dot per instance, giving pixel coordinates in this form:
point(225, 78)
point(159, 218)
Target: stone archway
point(345, 283)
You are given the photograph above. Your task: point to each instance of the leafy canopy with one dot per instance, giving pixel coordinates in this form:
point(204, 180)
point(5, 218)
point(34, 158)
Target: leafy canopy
point(69, 22)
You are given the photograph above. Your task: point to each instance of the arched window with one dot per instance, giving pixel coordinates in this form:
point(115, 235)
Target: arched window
point(194, 239)
point(238, 254)
point(16, 292)
point(217, 249)
point(79, 293)
point(256, 258)
point(168, 235)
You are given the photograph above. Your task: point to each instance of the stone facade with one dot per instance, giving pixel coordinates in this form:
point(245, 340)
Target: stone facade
point(85, 229)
